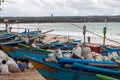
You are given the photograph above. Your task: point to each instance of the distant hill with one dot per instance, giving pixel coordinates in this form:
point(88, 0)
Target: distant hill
point(62, 19)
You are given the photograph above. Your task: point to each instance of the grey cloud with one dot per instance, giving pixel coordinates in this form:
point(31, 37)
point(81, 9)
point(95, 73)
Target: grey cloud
point(61, 7)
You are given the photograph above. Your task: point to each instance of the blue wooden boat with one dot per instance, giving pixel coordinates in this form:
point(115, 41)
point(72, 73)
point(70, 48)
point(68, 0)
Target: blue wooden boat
point(55, 71)
point(39, 49)
point(68, 45)
point(16, 52)
point(13, 42)
point(6, 48)
point(32, 37)
point(7, 37)
point(110, 50)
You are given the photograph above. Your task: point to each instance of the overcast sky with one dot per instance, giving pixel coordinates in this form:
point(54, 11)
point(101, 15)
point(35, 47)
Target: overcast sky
point(60, 7)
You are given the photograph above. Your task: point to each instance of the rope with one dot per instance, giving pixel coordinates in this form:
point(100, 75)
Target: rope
point(96, 34)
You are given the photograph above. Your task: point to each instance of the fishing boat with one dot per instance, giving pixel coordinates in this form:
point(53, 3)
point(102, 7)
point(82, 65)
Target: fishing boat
point(21, 50)
point(55, 71)
point(26, 37)
point(7, 37)
point(110, 50)
point(23, 39)
point(39, 49)
point(68, 45)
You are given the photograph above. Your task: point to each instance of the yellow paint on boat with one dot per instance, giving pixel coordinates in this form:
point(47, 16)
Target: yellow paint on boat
point(43, 67)
point(118, 62)
point(6, 48)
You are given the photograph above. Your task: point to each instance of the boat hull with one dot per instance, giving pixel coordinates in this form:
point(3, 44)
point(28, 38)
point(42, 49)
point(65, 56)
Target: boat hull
point(55, 71)
point(21, 52)
point(7, 37)
point(59, 73)
point(13, 43)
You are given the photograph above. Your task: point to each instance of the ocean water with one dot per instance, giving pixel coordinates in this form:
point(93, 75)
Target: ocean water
point(67, 29)
point(113, 29)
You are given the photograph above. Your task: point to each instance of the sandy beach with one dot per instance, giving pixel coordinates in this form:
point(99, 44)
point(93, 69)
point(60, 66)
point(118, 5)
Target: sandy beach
point(27, 75)
point(95, 41)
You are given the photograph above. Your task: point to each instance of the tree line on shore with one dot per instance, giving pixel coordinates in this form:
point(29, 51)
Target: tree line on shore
point(61, 19)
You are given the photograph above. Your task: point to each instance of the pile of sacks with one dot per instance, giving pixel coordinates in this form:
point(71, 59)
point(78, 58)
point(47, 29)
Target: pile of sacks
point(87, 54)
point(83, 53)
point(7, 64)
point(53, 57)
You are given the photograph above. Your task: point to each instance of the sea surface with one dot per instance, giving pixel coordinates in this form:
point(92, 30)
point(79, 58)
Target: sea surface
point(76, 31)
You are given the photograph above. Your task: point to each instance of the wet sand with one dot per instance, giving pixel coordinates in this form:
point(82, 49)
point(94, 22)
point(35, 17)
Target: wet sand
point(27, 75)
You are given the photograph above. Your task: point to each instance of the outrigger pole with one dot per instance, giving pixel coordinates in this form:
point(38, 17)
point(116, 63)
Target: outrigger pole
point(84, 32)
point(6, 24)
point(104, 32)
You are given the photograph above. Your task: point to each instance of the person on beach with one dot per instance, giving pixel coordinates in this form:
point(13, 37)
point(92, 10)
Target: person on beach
point(20, 65)
point(10, 29)
point(76, 52)
point(88, 39)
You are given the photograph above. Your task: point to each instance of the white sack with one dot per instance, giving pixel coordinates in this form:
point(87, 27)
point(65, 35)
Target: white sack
point(87, 54)
point(3, 55)
point(13, 67)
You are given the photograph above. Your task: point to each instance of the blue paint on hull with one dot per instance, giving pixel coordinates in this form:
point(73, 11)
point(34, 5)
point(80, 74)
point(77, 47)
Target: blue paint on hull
point(57, 72)
point(71, 60)
point(21, 54)
point(96, 69)
point(67, 75)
